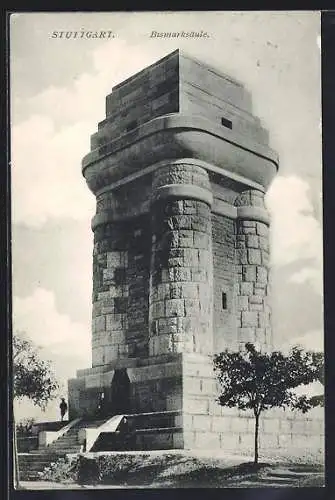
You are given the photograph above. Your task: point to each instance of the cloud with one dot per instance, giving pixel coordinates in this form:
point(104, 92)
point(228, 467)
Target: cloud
point(46, 172)
point(83, 98)
point(311, 340)
point(311, 276)
point(66, 343)
point(296, 232)
point(47, 148)
point(37, 316)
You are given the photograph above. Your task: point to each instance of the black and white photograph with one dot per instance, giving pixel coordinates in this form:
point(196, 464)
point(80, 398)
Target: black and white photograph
point(167, 250)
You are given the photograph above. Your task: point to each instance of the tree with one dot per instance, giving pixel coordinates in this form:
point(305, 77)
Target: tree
point(32, 378)
point(257, 381)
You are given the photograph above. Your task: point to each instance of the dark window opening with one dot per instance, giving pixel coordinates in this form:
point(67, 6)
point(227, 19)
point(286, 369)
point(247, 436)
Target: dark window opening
point(119, 275)
point(226, 123)
point(224, 300)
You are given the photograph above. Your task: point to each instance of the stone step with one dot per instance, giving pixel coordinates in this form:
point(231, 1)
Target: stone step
point(70, 439)
point(43, 459)
point(254, 484)
point(38, 467)
point(67, 439)
point(289, 475)
point(91, 423)
point(64, 442)
point(61, 447)
point(278, 480)
point(154, 430)
point(44, 452)
point(30, 476)
point(39, 456)
point(70, 450)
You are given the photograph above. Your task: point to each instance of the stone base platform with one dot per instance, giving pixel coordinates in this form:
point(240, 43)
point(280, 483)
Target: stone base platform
point(183, 388)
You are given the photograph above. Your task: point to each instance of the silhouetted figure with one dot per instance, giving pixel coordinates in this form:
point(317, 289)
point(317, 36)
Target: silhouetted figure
point(125, 434)
point(63, 408)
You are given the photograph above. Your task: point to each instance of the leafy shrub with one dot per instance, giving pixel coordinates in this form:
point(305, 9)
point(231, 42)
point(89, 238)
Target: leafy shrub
point(63, 470)
point(88, 470)
point(109, 468)
point(24, 427)
point(115, 467)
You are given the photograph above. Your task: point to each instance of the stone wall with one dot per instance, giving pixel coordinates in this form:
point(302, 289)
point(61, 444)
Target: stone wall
point(138, 273)
point(280, 432)
point(224, 289)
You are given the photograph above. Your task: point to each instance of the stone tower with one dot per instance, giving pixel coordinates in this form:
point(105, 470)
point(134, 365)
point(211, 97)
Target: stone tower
point(179, 168)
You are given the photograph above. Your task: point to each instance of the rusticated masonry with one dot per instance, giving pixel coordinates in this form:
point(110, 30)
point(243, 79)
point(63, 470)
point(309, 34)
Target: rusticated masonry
point(121, 266)
point(110, 294)
point(180, 306)
point(252, 255)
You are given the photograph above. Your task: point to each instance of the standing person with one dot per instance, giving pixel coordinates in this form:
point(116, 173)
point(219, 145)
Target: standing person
point(125, 434)
point(63, 408)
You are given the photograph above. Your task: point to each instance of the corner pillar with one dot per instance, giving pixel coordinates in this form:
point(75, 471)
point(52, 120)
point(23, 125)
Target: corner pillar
point(180, 302)
point(252, 259)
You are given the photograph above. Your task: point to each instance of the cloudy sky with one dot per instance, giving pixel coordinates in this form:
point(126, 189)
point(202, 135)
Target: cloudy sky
point(58, 89)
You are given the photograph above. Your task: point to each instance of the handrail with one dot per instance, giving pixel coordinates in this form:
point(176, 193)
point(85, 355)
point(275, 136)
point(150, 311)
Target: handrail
point(148, 414)
point(67, 427)
point(46, 438)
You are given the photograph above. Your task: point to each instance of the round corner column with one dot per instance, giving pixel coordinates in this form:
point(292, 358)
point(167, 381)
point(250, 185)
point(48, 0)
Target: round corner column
point(252, 261)
point(180, 301)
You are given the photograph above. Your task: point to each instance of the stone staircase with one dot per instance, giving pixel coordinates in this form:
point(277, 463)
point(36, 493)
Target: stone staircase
point(67, 443)
point(148, 431)
point(32, 463)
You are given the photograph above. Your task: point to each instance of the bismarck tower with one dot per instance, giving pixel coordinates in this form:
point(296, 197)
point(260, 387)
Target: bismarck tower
point(179, 168)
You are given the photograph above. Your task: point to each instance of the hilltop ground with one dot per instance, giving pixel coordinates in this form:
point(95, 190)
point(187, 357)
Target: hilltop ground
point(184, 470)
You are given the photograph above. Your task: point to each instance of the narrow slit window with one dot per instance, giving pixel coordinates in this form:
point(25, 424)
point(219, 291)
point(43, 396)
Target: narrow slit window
point(226, 123)
point(224, 300)
point(119, 275)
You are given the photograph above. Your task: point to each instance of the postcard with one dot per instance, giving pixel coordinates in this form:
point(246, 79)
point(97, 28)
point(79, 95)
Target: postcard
point(166, 185)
